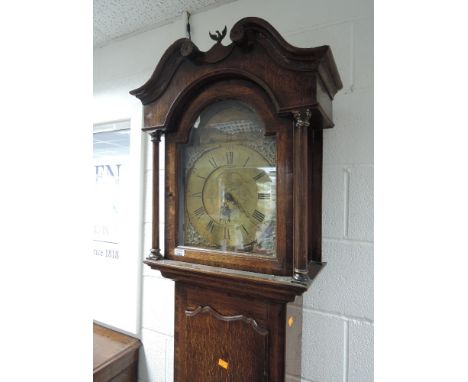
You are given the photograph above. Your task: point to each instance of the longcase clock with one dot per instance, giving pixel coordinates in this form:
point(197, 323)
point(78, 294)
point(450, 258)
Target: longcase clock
point(243, 128)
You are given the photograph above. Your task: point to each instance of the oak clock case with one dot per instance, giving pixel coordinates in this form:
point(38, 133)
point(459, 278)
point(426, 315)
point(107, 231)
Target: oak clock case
point(243, 127)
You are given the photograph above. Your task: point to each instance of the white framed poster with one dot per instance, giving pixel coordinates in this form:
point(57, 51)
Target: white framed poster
point(117, 224)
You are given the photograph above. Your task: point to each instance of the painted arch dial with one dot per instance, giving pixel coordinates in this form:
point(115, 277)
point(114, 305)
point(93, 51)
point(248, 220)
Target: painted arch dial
point(230, 186)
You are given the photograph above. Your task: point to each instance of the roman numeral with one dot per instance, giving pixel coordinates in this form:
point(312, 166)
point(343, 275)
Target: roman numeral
point(245, 229)
point(262, 195)
point(199, 212)
point(202, 177)
point(210, 226)
point(213, 162)
point(258, 216)
point(226, 233)
point(245, 163)
point(258, 176)
point(229, 157)
point(197, 194)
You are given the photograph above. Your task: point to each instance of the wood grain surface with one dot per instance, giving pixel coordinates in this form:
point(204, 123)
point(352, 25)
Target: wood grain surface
point(115, 355)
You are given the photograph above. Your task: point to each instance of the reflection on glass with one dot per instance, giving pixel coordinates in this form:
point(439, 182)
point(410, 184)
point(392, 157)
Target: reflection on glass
point(110, 154)
point(230, 182)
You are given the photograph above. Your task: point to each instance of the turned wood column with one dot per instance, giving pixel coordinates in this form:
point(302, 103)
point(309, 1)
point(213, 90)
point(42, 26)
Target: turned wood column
point(300, 194)
point(155, 253)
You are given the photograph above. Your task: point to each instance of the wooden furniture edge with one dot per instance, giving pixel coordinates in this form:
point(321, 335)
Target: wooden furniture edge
point(126, 357)
point(259, 285)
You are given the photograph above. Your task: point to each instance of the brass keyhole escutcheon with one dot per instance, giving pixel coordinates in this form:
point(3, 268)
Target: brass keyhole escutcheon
point(223, 363)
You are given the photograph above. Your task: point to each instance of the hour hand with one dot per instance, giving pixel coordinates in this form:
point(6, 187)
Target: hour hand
point(225, 212)
point(228, 196)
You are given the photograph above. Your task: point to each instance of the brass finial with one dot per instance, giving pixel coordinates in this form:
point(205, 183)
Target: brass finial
point(218, 37)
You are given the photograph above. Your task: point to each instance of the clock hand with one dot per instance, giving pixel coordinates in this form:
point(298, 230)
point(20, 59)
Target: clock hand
point(225, 211)
point(231, 198)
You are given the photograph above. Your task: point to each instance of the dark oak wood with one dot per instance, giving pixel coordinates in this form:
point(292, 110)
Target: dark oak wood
point(242, 355)
point(259, 285)
point(314, 187)
point(247, 334)
point(300, 224)
point(259, 54)
point(231, 321)
point(155, 252)
point(115, 356)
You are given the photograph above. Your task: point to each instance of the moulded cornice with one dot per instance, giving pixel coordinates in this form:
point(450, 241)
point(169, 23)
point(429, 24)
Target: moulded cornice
point(277, 288)
point(184, 60)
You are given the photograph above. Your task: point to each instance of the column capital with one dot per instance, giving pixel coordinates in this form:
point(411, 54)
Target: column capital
point(156, 135)
point(302, 117)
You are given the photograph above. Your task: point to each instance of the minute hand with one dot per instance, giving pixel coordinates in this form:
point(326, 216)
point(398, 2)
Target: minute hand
point(231, 198)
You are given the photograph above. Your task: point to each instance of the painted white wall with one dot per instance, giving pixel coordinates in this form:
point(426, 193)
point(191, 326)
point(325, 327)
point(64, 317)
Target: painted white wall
point(338, 308)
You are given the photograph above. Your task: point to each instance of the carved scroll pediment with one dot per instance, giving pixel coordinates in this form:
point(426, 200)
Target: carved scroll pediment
point(245, 35)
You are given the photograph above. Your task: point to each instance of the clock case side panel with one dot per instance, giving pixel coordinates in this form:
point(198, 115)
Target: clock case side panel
point(177, 134)
point(314, 187)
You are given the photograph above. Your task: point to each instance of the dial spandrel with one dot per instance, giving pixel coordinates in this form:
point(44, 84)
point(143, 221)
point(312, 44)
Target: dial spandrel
point(229, 187)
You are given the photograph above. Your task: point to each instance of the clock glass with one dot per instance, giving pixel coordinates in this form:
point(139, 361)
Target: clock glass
point(228, 198)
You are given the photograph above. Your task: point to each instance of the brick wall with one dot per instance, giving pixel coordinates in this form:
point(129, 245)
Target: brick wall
point(338, 308)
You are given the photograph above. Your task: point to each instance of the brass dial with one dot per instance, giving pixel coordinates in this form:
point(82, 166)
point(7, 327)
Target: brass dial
point(230, 197)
